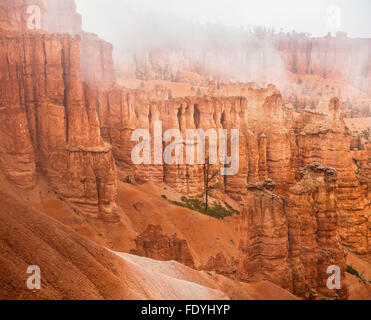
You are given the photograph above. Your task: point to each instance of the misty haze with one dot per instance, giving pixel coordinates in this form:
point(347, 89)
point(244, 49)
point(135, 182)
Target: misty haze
point(185, 150)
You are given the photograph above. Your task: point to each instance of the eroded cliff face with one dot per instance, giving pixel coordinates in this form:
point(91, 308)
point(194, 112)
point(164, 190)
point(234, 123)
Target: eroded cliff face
point(14, 16)
point(49, 122)
point(292, 241)
point(61, 17)
point(314, 235)
point(274, 148)
point(323, 138)
point(96, 54)
point(264, 245)
point(62, 119)
point(264, 147)
point(326, 57)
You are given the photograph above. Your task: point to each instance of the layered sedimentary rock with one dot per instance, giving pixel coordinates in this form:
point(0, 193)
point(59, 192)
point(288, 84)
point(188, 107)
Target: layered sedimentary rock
point(221, 265)
point(362, 161)
point(20, 15)
point(128, 110)
point(327, 57)
point(155, 244)
point(323, 138)
point(314, 237)
point(274, 148)
point(49, 122)
point(96, 54)
point(264, 146)
point(264, 244)
point(293, 241)
point(61, 118)
point(304, 67)
point(61, 17)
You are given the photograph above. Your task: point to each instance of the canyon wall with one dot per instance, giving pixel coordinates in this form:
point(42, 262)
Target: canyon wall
point(49, 122)
point(63, 119)
point(328, 57)
point(96, 54)
point(292, 241)
point(14, 15)
point(325, 139)
point(274, 148)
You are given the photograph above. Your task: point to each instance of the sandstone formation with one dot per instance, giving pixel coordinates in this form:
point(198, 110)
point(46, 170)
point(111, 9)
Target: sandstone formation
point(96, 54)
point(61, 17)
point(292, 242)
point(264, 245)
point(14, 16)
point(324, 139)
point(154, 244)
point(221, 265)
point(314, 241)
point(66, 123)
point(327, 57)
point(50, 125)
point(274, 148)
point(304, 67)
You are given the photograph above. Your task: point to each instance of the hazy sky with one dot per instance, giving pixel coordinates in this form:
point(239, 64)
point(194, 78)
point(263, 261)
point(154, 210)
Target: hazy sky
point(312, 16)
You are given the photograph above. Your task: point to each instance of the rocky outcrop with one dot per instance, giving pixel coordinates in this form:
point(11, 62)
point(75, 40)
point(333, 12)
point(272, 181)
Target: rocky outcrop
point(221, 265)
point(314, 238)
point(324, 138)
point(122, 111)
point(325, 57)
point(96, 54)
point(264, 245)
point(14, 16)
point(49, 122)
point(62, 17)
point(274, 148)
point(293, 241)
point(155, 244)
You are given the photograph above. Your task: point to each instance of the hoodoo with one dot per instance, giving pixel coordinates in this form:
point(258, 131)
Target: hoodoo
point(162, 171)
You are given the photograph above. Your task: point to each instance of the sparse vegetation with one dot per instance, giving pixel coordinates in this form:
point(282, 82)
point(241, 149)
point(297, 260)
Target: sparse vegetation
point(127, 180)
point(208, 179)
point(164, 197)
point(216, 210)
point(354, 272)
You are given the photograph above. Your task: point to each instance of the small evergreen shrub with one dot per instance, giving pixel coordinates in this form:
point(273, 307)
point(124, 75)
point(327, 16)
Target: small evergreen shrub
point(127, 180)
point(354, 272)
point(216, 210)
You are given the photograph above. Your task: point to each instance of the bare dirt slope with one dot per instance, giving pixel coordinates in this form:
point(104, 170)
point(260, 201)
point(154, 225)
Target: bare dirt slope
point(73, 267)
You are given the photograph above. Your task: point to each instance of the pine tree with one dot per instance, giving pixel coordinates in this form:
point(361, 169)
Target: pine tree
point(208, 180)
